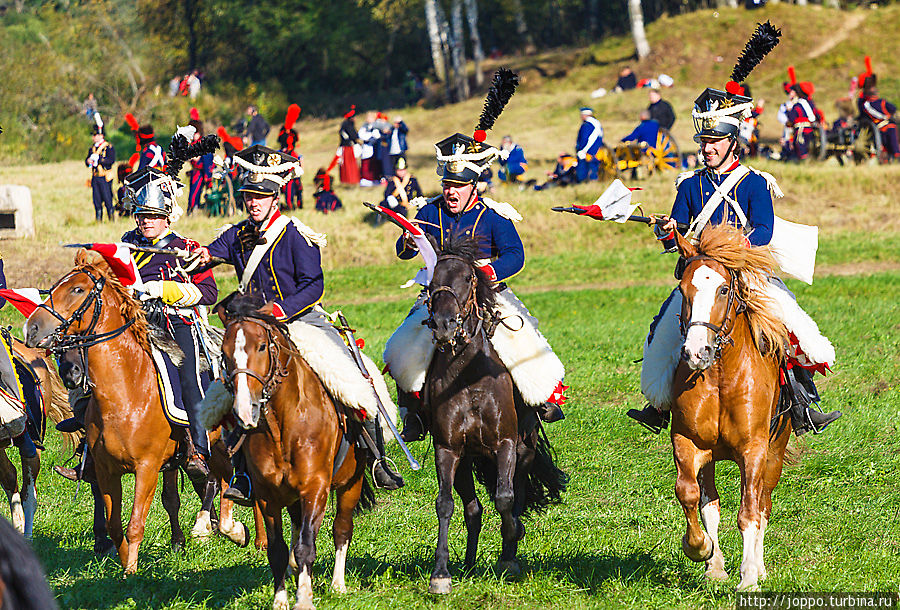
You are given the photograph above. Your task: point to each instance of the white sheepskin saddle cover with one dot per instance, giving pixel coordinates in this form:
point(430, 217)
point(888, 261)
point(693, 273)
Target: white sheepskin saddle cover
point(336, 369)
point(661, 357)
point(535, 369)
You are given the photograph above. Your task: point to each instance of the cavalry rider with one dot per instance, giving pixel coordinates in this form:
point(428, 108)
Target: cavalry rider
point(279, 258)
point(726, 191)
point(461, 160)
point(587, 144)
point(801, 118)
point(174, 300)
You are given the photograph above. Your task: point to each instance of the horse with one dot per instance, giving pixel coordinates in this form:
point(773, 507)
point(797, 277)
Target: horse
point(53, 402)
point(126, 429)
point(480, 426)
point(726, 395)
point(296, 437)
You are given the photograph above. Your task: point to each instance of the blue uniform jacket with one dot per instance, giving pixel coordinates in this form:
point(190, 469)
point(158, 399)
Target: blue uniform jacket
point(107, 154)
point(497, 236)
point(289, 274)
point(515, 162)
point(751, 193)
point(589, 128)
point(157, 266)
point(645, 132)
point(150, 156)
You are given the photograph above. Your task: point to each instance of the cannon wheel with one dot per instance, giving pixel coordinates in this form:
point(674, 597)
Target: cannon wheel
point(867, 144)
point(818, 146)
point(228, 209)
point(665, 155)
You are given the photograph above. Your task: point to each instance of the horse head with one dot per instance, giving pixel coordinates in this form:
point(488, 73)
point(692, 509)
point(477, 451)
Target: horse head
point(460, 296)
point(708, 306)
point(251, 352)
point(74, 304)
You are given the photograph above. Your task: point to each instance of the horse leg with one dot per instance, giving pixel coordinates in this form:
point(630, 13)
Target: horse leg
point(261, 539)
point(504, 501)
point(697, 545)
point(446, 462)
point(207, 491)
point(102, 543)
point(342, 528)
point(10, 482)
point(465, 487)
point(171, 501)
point(710, 515)
point(144, 490)
point(277, 553)
point(111, 487)
point(307, 515)
point(774, 464)
point(753, 466)
point(30, 469)
point(230, 527)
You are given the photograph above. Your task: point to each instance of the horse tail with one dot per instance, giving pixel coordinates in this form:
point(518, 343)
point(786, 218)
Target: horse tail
point(485, 470)
point(56, 404)
point(366, 497)
point(545, 482)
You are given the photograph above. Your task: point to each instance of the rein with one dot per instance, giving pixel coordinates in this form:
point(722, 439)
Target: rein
point(276, 371)
point(464, 310)
point(723, 336)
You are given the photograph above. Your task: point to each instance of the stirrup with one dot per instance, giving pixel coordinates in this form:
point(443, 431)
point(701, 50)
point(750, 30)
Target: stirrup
point(422, 431)
point(396, 480)
point(236, 495)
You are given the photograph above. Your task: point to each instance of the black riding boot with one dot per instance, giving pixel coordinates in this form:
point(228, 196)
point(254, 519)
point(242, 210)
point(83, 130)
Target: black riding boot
point(655, 420)
point(195, 462)
point(240, 489)
point(85, 468)
point(385, 478)
point(550, 412)
point(79, 407)
point(414, 428)
point(800, 390)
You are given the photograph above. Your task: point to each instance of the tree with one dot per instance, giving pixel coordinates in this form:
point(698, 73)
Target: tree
point(636, 16)
point(435, 27)
point(475, 39)
point(522, 26)
point(460, 81)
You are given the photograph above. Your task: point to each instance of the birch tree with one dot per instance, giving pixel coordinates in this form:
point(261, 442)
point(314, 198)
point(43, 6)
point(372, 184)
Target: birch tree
point(458, 52)
point(434, 37)
point(636, 16)
point(475, 39)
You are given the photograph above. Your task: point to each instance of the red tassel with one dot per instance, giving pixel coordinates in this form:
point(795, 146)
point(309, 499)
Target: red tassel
point(733, 88)
point(360, 343)
point(132, 162)
point(480, 135)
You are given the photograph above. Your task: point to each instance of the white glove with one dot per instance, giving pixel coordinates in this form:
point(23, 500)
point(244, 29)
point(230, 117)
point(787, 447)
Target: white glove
point(392, 201)
point(582, 154)
point(94, 159)
point(152, 290)
point(192, 261)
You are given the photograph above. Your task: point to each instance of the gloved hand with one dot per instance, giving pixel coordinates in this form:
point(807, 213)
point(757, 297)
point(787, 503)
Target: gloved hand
point(195, 259)
point(152, 290)
point(408, 241)
point(94, 160)
point(581, 154)
point(489, 272)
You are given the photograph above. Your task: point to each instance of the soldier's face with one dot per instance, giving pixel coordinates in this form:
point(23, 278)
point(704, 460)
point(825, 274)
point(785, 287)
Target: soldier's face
point(258, 206)
point(151, 226)
point(98, 138)
point(714, 151)
point(457, 196)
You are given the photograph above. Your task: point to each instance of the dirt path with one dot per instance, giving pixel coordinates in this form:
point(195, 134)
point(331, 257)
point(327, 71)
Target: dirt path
point(852, 22)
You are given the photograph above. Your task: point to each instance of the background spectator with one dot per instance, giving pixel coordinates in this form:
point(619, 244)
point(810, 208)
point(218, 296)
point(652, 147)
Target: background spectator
point(627, 80)
point(258, 128)
point(514, 166)
point(90, 107)
point(326, 200)
point(398, 145)
point(660, 110)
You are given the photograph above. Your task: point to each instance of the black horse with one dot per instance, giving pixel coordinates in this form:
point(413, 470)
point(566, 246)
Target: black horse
point(479, 424)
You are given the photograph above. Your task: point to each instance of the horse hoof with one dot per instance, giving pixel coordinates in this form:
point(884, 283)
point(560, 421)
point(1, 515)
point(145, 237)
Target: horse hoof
point(716, 574)
point(104, 548)
point(704, 553)
point(178, 546)
point(520, 531)
point(508, 568)
point(750, 587)
point(439, 586)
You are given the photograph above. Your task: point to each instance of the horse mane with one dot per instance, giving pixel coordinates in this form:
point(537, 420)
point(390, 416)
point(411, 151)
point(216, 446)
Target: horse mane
point(129, 307)
point(468, 248)
point(239, 306)
point(752, 266)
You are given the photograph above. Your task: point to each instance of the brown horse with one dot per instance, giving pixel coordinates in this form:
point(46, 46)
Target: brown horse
point(293, 446)
point(480, 427)
point(127, 432)
point(726, 395)
point(55, 405)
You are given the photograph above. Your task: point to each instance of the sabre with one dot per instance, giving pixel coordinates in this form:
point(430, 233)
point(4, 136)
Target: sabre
point(354, 349)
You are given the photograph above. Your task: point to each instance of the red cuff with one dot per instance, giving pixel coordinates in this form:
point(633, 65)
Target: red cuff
point(277, 311)
point(489, 272)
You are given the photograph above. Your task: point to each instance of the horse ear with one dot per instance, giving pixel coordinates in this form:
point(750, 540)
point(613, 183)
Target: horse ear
point(221, 308)
point(685, 247)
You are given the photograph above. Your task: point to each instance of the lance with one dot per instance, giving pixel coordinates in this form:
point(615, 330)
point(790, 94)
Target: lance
point(647, 220)
point(177, 252)
point(357, 357)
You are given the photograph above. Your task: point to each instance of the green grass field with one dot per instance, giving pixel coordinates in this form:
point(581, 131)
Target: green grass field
point(616, 540)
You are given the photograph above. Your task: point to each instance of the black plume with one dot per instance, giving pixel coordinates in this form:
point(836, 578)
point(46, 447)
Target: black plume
point(764, 39)
point(502, 88)
point(180, 150)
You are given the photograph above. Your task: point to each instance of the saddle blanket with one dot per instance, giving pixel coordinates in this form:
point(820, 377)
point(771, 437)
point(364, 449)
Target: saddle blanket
point(535, 369)
point(169, 393)
point(662, 352)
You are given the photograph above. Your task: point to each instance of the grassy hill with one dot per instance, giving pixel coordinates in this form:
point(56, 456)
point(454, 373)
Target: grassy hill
point(595, 286)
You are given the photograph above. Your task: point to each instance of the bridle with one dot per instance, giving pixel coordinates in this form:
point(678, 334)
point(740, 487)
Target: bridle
point(723, 336)
point(60, 341)
point(464, 310)
point(276, 370)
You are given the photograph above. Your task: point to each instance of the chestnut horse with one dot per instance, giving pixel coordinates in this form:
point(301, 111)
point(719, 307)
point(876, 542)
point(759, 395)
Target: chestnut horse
point(293, 445)
point(479, 425)
point(726, 394)
point(88, 309)
point(54, 404)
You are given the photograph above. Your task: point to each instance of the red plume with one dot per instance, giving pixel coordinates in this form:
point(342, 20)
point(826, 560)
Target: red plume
point(807, 88)
point(195, 114)
point(733, 88)
point(132, 122)
point(352, 111)
point(234, 141)
point(293, 113)
point(868, 65)
point(792, 75)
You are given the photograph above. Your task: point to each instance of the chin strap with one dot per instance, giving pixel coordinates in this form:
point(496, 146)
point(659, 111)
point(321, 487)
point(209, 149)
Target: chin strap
point(728, 154)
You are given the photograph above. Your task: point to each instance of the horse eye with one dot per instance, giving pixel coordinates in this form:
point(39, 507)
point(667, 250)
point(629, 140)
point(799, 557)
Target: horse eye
point(261, 348)
point(77, 290)
point(723, 290)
